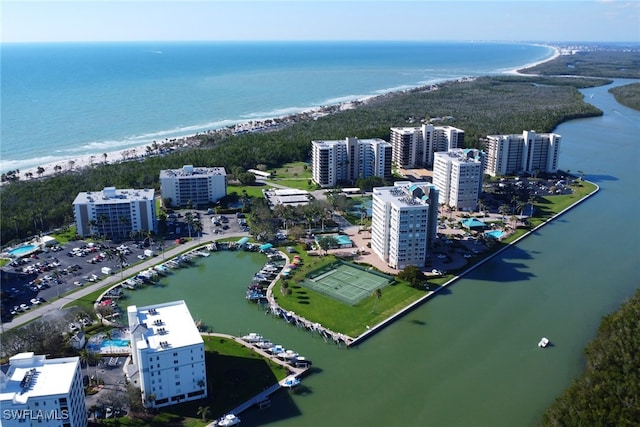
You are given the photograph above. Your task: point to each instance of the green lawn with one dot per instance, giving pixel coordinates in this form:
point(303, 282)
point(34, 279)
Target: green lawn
point(235, 374)
point(336, 315)
point(64, 237)
point(294, 175)
point(251, 190)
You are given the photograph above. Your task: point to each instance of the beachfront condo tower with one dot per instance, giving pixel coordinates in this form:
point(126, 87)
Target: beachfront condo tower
point(345, 161)
point(528, 153)
point(167, 354)
point(404, 223)
point(457, 174)
point(195, 186)
point(114, 213)
point(413, 147)
point(36, 391)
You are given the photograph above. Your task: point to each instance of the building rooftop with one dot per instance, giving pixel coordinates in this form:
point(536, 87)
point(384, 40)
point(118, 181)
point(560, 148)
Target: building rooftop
point(460, 155)
point(31, 376)
point(405, 194)
point(191, 171)
point(113, 195)
point(164, 326)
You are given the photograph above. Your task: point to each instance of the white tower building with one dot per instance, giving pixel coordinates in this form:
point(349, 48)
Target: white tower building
point(167, 354)
point(36, 391)
point(404, 223)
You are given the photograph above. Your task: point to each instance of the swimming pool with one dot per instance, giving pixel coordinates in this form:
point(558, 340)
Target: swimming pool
point(23, 250)
point(118, 342)
point(495, 234)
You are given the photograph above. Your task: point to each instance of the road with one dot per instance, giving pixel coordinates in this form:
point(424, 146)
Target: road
point(38, 311)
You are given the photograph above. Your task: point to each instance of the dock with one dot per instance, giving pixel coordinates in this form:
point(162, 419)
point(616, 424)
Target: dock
point(262, 399)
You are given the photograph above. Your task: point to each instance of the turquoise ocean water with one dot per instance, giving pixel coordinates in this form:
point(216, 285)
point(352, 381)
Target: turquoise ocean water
point(60, 101)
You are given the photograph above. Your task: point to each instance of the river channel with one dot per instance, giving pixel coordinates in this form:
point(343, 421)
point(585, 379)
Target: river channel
point(468, 357)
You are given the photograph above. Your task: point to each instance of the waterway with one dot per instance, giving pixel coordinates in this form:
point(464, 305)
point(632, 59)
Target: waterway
point(469, 356)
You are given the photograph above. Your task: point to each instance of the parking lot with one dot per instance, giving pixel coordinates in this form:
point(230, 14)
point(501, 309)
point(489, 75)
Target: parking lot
point(36, 279)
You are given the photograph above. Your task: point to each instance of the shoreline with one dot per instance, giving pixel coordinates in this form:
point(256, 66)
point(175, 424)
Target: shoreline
point(138, 153)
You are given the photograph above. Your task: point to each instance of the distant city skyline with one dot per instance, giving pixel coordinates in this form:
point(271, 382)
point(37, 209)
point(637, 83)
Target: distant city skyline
point(243, 20)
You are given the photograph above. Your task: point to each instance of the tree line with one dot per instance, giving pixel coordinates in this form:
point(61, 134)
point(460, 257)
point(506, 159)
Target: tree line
point(487, 105)
point(608, 393)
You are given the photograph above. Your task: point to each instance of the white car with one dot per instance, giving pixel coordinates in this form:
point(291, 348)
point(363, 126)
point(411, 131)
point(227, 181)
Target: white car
point(35, 301)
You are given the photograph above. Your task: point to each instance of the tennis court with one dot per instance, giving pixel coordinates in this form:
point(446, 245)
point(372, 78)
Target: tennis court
point(346, 282)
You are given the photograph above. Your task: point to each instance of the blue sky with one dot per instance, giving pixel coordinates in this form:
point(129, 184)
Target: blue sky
point(157, 20)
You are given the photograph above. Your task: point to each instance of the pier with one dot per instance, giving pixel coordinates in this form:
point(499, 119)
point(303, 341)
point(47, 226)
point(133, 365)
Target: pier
point(262, 399)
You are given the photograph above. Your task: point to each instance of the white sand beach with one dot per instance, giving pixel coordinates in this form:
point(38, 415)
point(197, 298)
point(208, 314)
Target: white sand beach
point(261, 125)
point(556, 53)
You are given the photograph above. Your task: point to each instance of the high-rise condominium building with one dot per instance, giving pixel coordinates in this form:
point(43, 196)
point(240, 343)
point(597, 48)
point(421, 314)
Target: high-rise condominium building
point(404, 223)
point(114, 213)
point(528, 153)
point(36, 391)
point(414, 146)
point(167, 354)
point(457, 174)
point(193, 185)
point(345, 161)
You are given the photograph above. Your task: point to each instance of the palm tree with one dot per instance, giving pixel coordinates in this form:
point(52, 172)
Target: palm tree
point(197, 227)
point(363, 215)
point(92, 226)
point(378, 295)
point(188, 218)
point(108, 335)
point(482, 207)
point(105, 155)
point(85, 356)
point(203, 411)
point(103, 218)
point(124, 221)
point(122, 258)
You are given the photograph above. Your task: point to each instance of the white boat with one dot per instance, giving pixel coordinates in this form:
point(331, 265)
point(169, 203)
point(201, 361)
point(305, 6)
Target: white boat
point(228, 420)
point(276, 349)
point(264, 344)
point(252, 337)
point(543, 342)
point(288, 354)
point(290, 382)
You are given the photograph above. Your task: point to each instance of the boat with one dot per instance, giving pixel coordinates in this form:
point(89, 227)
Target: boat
point(228, 420)
point(276, 349)
point(290, 382)
point(252, 337)
point(264, 344)
point(543, 342)
point(288, 355)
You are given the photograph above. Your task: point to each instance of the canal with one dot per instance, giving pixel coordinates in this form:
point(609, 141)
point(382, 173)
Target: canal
point(470, 355)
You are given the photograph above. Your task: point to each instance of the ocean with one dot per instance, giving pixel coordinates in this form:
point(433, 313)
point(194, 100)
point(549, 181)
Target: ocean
point(60, 101)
